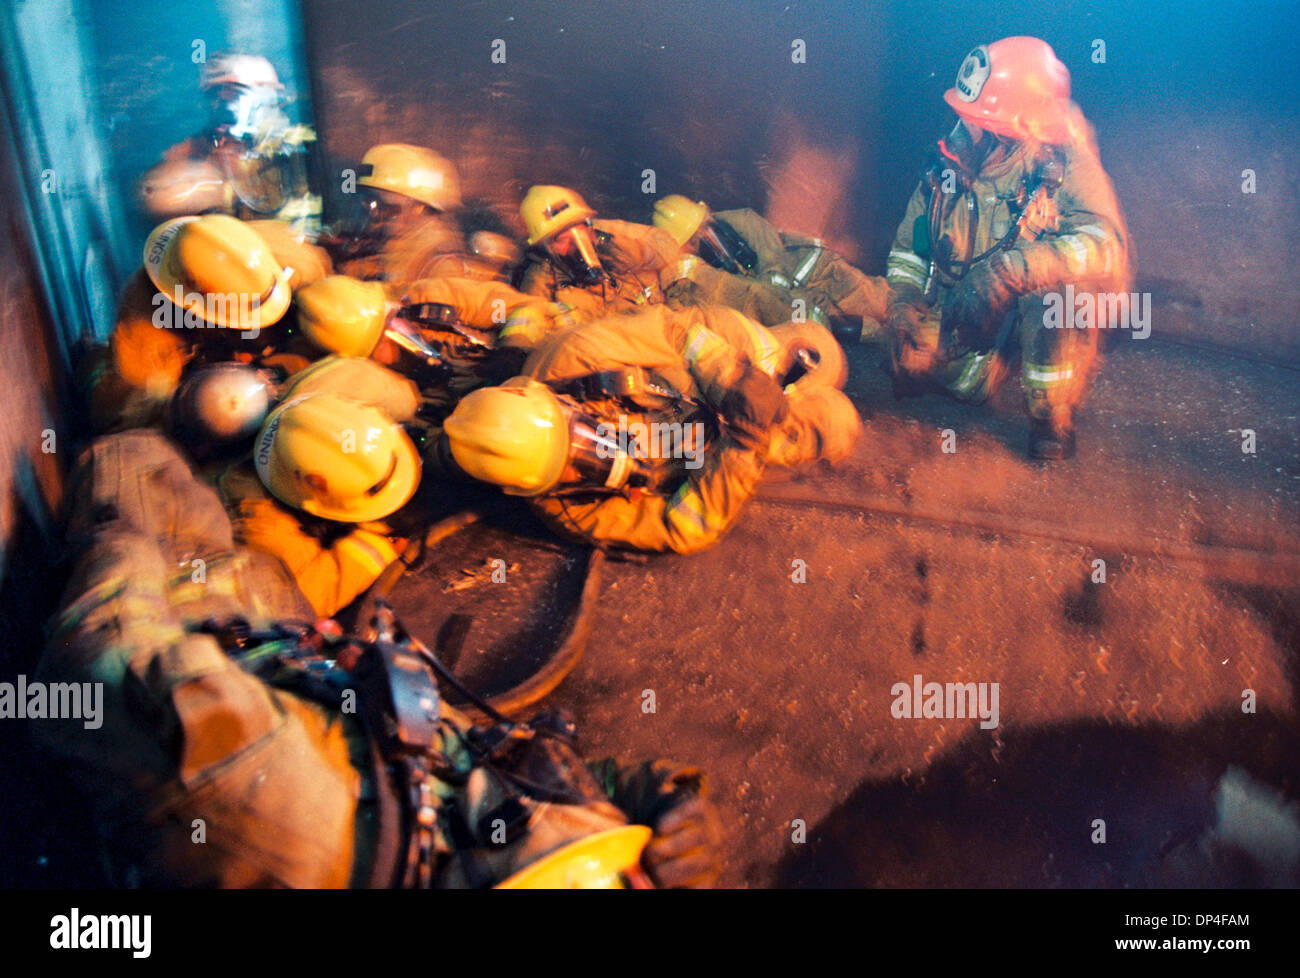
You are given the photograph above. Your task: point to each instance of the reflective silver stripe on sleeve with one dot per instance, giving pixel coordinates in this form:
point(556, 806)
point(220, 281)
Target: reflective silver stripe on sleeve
point(806, 266)
point(906, 266)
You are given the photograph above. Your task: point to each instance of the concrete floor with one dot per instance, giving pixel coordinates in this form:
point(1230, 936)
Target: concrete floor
point(1118, 701)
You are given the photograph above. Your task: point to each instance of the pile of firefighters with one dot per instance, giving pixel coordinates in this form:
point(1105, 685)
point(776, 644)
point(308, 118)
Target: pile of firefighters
point(274, 393)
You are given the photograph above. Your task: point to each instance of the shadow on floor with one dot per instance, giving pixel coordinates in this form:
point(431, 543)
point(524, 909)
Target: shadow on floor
point(1203, 806)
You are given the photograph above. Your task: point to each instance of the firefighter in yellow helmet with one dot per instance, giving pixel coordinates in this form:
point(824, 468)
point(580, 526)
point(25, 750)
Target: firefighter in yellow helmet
point(225, 707)
point(332, 466)
point(212, 288)
point(251, 161)
point(739, 259)
point(408, 198)
point(449, 335)
point(491, 252)
point(1014, 213)
point(593, 267)
point(651, 430)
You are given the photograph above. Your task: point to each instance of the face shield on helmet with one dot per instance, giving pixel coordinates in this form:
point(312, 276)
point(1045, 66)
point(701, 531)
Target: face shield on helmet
point(385, 214)
point(720, 246)
point(528, 440)
point(574, 251)
point(597, 460)
point(246, 112)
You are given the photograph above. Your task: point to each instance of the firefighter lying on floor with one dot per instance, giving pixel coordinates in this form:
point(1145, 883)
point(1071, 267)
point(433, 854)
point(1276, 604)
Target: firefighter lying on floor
point(331, 473)
point(449, 335)
point(234, 751)
point(740, 259)
point(593, 267)
point(562, 434)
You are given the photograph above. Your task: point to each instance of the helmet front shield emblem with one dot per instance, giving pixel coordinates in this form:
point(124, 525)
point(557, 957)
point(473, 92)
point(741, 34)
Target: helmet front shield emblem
point(972, 74)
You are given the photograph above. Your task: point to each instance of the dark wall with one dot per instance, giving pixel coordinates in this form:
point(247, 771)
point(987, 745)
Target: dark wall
point(31, 483)
point(707, 95)
point(34, 441)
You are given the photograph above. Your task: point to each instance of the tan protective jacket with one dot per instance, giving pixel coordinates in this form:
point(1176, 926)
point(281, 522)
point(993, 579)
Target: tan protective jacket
point(416, 254)
point(201, 774)
point(635, 255)
point(1081, 239)
point(792, 268)
point(700, 352)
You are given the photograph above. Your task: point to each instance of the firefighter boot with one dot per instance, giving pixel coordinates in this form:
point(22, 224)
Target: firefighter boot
point(1051, 440)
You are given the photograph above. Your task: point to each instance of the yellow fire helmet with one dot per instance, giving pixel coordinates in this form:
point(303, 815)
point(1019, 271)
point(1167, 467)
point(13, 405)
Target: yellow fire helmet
point(343, 315)
point(820, 423)
point(336, 458)
point(414, 172)
point(548, 210)
point(515, 436)
point(609, 860)
point(680, 216)
point(219, 269)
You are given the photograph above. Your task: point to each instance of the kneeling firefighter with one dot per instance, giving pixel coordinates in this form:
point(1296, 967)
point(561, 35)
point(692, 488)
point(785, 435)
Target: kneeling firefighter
point(651, 431)
point(250, 161)
point(242, 745)
point(739, 259)
point(1014, 212)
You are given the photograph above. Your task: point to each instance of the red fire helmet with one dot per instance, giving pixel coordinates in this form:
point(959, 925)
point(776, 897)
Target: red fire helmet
point(1015, 87)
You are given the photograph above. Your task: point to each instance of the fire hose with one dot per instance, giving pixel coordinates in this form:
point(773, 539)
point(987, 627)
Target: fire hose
point(569, 649)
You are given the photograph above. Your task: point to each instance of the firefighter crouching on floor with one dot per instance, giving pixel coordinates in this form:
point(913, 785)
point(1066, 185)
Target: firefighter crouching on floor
point(331, 469)
point(408, 197)
point(1015, 210)
point(593, 267)
point(403, 324)
point(212, 288)
point(560, 434)
point(225, 758)
point(739, 259)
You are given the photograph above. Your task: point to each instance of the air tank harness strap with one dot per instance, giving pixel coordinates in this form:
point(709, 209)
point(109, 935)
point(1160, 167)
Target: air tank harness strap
point(395, 702)
point(643, 387)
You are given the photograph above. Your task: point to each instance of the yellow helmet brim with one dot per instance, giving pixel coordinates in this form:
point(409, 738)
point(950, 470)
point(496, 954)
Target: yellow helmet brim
point(396, 493)
point(267, 311)
point(595, 862)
